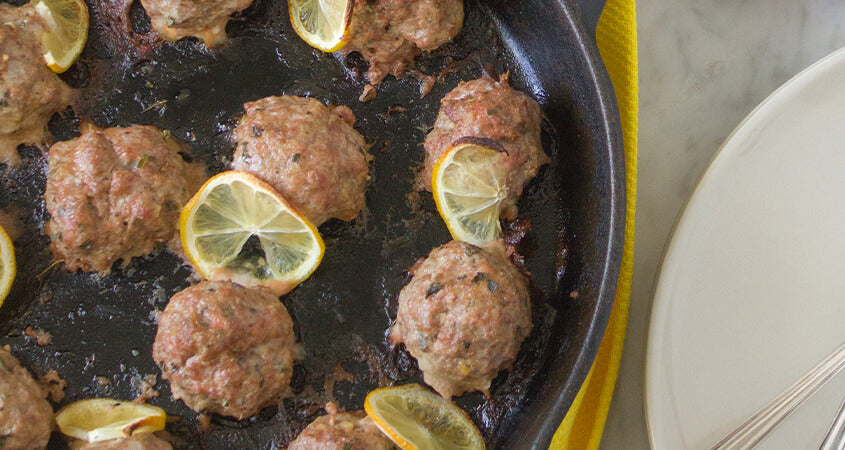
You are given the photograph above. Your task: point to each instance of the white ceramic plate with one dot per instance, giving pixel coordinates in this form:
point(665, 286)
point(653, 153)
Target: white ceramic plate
point(751, 293)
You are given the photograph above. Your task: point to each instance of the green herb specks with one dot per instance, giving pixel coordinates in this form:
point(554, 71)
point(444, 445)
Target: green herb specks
point(492, 286)
point(433, 289)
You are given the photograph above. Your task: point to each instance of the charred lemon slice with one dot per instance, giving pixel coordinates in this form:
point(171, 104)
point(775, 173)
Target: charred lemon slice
point(469, 184)
point(8, 268)
point(416, 418)
point(103, 419)
point(67, 31)
point(323, 24)
point(238, 228)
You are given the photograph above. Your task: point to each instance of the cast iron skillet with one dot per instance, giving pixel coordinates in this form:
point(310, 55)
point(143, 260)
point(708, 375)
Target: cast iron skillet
point(571, 215)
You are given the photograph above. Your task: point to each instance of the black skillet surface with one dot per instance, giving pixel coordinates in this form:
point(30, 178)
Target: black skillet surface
point(103, 328)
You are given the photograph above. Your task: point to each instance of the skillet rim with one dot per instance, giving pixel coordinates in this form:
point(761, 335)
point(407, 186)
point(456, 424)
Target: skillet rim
point(541, 420)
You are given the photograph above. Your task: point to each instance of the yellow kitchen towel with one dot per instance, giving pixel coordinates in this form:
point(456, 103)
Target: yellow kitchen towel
point(584, 423)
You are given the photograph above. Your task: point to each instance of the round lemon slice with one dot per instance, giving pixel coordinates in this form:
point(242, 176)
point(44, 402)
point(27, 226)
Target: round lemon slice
point(323, 24)
point(238, 228)
point(8, 268)
point(469, 184)
point(103, 419)
point(67, 31)
point(416, 418)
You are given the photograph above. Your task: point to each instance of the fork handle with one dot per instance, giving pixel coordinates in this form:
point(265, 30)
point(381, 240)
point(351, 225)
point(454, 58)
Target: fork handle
point(835, 438)
point(758, 426)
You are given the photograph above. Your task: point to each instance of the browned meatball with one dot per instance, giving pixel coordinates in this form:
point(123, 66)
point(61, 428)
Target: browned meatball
point(26, 419)
point(205, 19)
point(225, 348)
point(140, 441)
point(308, 152)
point(390, 33)
point(486, 108)
point(463, 316)
point(341, 431)
point(114, 194)
point(29, 91)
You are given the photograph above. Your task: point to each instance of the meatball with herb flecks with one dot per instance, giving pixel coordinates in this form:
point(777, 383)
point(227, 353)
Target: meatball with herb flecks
point(341, 431)
point(308, 152)
point(205, 19)
point(225, 348)
point(114, 194)
point(29, 91)
point(488, 108)
point(390, 33)
point(26, 419)
point(463, 316)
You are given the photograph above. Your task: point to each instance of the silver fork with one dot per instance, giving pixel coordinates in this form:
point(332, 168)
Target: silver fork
point(835, 438)
point(758, 426)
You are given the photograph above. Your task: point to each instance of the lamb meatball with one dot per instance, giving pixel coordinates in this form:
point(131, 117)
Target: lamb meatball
point(225, 348)
point(26, 419)
point(341, 431)
point(138, 441)
point(463, 316)
point(308, 152)
point(205, 19)
point(488, 108)
point(114, 194)
point(29, 91)
point(390, 33)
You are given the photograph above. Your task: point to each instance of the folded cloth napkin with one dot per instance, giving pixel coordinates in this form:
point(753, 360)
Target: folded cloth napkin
point(584, 423)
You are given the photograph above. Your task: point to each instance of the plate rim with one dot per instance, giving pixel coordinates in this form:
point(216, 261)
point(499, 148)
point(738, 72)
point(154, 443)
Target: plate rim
point(658, 315)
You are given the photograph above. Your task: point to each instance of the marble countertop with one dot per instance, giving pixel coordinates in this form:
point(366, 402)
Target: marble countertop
point(704, 65)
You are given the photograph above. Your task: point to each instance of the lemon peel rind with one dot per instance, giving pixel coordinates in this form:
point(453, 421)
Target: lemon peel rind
point(7, 253)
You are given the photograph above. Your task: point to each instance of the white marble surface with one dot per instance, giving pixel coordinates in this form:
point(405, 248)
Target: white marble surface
point(704, 65)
